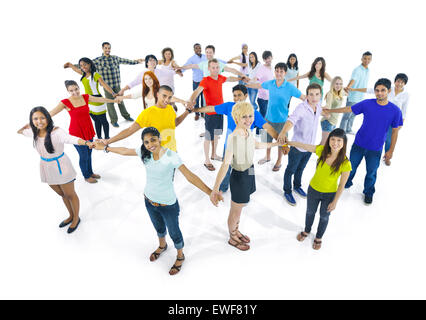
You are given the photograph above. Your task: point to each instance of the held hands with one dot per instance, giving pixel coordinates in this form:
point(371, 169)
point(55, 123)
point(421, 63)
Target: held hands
point(215, 197)
point(286, 149)
point(121, 92)
point(118, 99)
point(282, 138)
point(67, 65)
point(98, 144)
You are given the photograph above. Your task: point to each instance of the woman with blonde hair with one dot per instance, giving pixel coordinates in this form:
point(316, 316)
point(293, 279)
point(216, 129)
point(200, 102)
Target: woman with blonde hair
point(333, 100)
point(239, 155)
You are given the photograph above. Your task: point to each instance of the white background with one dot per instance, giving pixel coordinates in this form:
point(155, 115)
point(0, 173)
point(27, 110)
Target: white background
point(368, 252)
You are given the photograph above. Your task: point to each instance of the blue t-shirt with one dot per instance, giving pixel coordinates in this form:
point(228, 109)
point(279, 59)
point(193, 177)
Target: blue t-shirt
point(226, 109)
point(279, 97)
point(376, 123)
point(159, 177)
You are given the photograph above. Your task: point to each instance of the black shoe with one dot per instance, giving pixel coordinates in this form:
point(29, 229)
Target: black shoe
point(130, 119)
point(71, 230)
point(368, 200)
point(64, 224)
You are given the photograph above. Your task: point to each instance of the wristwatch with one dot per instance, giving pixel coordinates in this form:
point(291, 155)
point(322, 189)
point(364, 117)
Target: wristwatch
point(105, 149)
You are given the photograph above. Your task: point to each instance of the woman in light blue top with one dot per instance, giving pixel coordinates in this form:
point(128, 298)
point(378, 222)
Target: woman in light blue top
point(160, 198)
point(292, 72)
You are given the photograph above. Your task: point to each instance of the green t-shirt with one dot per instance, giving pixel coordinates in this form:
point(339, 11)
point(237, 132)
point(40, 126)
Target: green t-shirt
point(324, 179)
point(314, 79)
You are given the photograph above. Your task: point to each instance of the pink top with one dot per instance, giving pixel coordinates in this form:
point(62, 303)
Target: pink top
point(264, 74)
point(49, 171)
point(164, 75)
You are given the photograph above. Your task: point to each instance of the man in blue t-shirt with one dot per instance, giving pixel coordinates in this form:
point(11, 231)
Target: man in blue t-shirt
point(240, 94)
point(379, 115)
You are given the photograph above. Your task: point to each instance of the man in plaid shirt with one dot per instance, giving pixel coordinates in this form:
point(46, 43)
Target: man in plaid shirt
point(109, 68)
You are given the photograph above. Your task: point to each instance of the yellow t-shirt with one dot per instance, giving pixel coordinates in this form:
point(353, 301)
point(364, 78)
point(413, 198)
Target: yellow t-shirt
point(163, 119)
point(325, 180)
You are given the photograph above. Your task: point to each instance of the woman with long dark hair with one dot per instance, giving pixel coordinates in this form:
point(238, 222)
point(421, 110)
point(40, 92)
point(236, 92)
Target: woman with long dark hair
point(292, 72)
point(332, 164)
point(160, 198)
point(55, 167)
point(91, 80)
point(81, 126)
point(317, 74)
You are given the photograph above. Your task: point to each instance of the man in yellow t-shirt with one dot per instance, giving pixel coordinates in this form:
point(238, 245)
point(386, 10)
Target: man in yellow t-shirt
point(161, 116)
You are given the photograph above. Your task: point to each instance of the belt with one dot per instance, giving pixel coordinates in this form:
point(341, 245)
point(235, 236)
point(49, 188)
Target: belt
point(54, 159)
point(155, 204)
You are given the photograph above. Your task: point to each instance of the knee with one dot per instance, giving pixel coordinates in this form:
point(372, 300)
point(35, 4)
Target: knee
point(70, 196)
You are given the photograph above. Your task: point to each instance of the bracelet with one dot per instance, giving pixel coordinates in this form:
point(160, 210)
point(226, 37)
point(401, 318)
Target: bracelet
point(189, 110)
point(85, 142)
point(106, 149)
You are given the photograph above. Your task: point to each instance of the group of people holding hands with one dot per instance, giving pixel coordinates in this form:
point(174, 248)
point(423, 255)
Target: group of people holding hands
point(274, 87)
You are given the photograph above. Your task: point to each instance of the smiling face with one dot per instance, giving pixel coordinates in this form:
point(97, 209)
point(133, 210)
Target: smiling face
point(209, 53)
point(164, 97)
point(338, 85)
point(197, 49)
point(152, 143)
point(39, 120)
point(152, 63)
point(279, 74)
point(366, 60)
point(246, 121)
point(74, 90)
point(239, 96)
point(318, 66)
point(214, 69)
point(168, 55)
point(399, 84)
point(336, 143)
point(252, 58)
point(85, 67)
point(148, 81)
point(106, 49)
point(381, 93)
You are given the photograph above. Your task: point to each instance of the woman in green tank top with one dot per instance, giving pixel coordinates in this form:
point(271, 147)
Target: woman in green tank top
point(91, 80)
point(317, 73)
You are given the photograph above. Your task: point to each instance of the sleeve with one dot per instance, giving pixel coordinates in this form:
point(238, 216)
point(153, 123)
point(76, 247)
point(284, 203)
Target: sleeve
point(354, 75)
point(142, 119)
point(126, 61)
point(139, 152)
point(296, 92)
point(203, 83)
point(346, 166)
point(265, 85)
point(189, 61)
point(259, 121)
point(296, 115)
point(28, 133)
point(176, 160)
point(404, 107)
point(397, 120)
point(222, 108)
point(66, 138)
point(318, 150)
point(328, 100)
point(137, 81)
point(136, 95)
point(96, 77)
point(358, 108)
point(223, 79)
point(222, 66)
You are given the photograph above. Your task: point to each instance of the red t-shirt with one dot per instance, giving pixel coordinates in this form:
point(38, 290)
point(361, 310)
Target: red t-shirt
point(213, 90)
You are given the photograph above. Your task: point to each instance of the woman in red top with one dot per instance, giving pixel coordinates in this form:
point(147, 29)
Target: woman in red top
point(81, 125)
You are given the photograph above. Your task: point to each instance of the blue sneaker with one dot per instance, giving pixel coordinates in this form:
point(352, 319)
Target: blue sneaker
point(300, 192)
point(115, 124)
point(290, 199)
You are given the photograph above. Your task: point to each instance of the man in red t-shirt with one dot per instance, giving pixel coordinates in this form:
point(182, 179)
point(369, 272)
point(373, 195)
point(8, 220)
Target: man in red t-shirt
point(212, 88)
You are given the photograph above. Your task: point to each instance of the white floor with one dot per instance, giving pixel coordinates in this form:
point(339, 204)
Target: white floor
point(368, 252)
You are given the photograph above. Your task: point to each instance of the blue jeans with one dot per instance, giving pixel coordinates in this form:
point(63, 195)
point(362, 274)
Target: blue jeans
point(314, 199)
point(372, 161)
point(388, 139)
point(347, 119)
point(297, 161)
point(85, 162)
point(252, 96)
point(166, 218)
point(327, 126)
point(199, 102)
point(263, 107)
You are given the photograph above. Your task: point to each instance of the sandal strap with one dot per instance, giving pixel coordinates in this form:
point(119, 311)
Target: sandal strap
point(180, 259)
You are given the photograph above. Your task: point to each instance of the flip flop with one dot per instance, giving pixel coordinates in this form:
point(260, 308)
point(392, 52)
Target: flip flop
point(276, 168)
point(317, 244)
point(210, 167)
point(239, 245)
point(217, 158)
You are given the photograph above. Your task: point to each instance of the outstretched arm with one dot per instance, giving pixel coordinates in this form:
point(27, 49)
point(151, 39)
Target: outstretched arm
point(206, 109)
point(118, 150)
point(195, 94)
point(101, 99)
point(234, 71)
point(57, 109)
point(194, 179)
point(107, 87)
point(75, 68)
point(124, 133)
point(304, 146)
point(20, 131)
point(303, 76)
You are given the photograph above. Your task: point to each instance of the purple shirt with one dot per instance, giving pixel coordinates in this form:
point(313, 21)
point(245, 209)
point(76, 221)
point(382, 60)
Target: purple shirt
point(305, 123)
point(164, 76)
point(264, 74)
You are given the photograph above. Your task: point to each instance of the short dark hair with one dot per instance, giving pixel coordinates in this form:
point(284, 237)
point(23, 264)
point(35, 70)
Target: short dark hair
point(383, 82)
point(150, 56)
point(241, 88)
point(281, 65)
point(266, 55)
point(367, 53)
point(196, 44)
point(402, 76)
point(313, 86)
point(105, 43)
point(211, 47)
point(165, 87)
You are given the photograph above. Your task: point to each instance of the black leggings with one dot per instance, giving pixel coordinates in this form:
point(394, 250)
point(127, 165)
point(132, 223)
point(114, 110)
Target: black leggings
point(101, 121)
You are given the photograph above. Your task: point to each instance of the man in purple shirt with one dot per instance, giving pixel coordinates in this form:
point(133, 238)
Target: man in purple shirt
point(304, 121)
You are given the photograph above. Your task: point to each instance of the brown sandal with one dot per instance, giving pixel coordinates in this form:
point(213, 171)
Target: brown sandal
point(210, 167)
point(155, 255)
point(302, 236)
point(317, 244)
point(241, 237)
point(237, 242)
point(175, 267)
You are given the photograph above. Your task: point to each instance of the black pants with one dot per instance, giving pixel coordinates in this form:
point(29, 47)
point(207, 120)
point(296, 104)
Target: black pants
point(101, 122)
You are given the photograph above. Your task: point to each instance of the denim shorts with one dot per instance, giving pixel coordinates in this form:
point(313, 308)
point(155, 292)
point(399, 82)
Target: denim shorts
point(327, 126)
